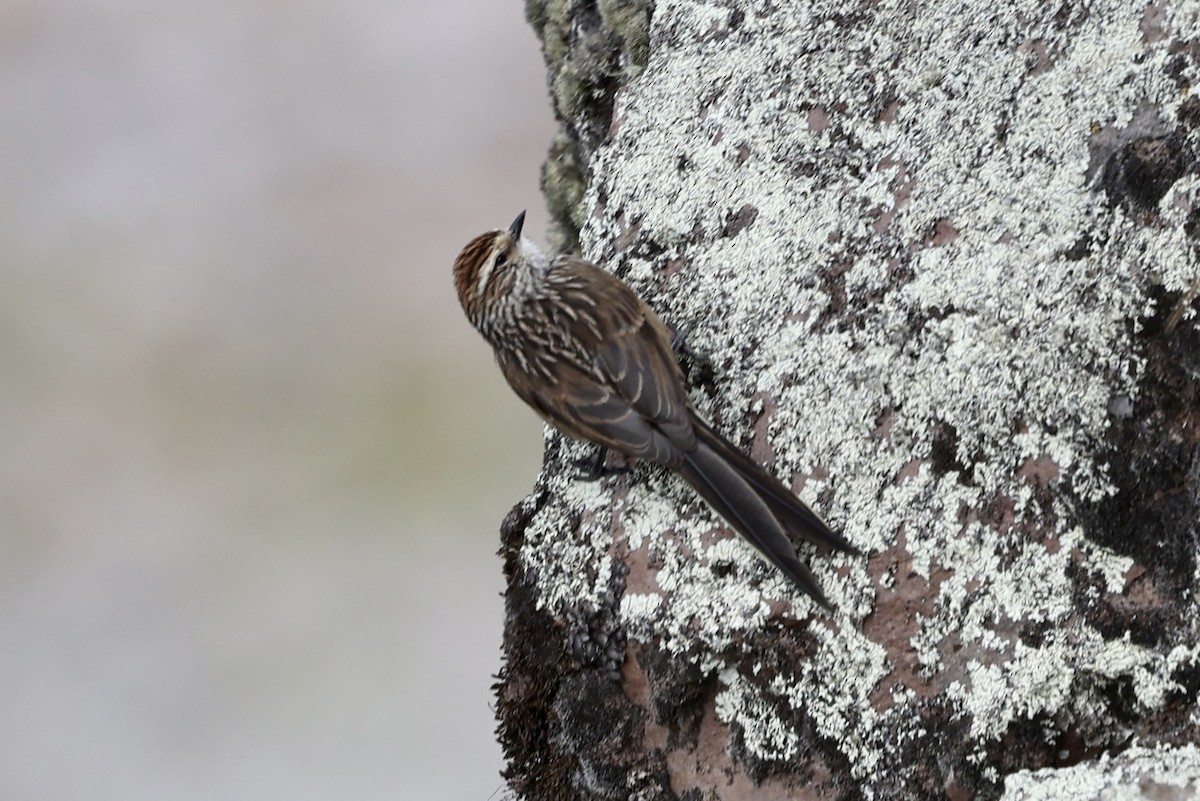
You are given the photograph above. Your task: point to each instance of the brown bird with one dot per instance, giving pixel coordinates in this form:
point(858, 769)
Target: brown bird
point(596, 362)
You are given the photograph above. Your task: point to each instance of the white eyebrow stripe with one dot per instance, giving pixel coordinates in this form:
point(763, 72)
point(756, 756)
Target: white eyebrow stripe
point(486, 273)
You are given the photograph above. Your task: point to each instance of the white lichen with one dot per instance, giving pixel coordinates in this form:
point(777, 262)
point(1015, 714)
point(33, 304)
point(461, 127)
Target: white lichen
point(1017, 353)
point(1137, 773)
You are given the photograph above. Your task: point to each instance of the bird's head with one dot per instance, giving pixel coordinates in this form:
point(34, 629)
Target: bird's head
point(489, 270)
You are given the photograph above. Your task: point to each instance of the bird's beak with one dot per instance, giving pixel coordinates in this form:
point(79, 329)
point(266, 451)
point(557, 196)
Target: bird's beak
point(514, 230)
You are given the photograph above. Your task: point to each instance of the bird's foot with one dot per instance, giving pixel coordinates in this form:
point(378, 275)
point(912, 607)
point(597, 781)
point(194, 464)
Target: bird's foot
point(596, 467)
point(679, 338)
point(697, 367)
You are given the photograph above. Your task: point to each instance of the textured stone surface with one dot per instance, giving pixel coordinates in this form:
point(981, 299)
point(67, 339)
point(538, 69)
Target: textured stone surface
point(1153, 774)
point(929, 257)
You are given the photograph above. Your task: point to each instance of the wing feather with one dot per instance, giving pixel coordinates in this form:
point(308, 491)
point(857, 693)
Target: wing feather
point(615, 381)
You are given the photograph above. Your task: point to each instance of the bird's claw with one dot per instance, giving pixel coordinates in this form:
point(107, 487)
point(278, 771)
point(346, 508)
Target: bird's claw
point(687, 356)
point(594, 467)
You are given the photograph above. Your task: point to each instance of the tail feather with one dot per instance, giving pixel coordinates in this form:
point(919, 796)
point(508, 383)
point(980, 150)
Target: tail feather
point(793, 513)
point(719, 481)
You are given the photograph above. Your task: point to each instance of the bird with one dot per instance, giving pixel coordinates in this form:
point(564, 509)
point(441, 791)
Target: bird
point(592, 358)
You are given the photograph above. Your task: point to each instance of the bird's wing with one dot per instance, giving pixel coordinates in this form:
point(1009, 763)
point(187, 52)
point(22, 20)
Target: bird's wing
point(615, 380)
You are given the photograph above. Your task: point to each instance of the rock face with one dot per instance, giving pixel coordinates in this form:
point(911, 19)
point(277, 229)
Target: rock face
point(941, 260)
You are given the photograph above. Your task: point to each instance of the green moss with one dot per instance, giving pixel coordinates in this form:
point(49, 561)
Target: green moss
point(549, 20)
point(570, 90)
point(629, 20)
point(587, 57)
point(564, 185)
point(536, 15)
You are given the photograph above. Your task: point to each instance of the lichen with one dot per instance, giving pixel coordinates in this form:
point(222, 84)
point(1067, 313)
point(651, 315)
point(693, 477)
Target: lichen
point(1138, 773)
point(590, 49)
point(918, 186)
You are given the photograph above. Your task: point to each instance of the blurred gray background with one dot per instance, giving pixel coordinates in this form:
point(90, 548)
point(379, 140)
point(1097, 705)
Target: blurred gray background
point(253, 457)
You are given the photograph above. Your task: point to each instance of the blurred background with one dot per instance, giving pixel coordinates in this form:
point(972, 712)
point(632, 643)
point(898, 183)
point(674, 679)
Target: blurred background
point(253, 459)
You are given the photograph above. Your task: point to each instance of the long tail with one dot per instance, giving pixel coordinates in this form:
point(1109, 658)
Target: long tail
point(796, 517)
point(722, 482)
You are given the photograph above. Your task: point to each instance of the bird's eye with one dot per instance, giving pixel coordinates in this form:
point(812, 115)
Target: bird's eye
point(501, 259)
